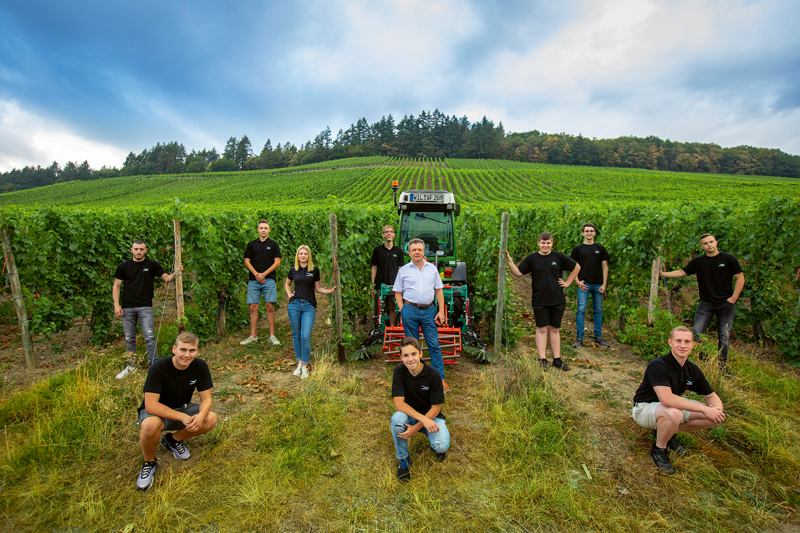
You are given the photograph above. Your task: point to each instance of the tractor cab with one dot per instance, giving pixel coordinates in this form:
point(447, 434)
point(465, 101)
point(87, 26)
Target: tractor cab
point(430, 216)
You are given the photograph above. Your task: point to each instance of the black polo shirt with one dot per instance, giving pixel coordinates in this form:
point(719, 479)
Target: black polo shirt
point(545, 271)
point(422, 391)
point(176, 387)
point(665, 371)
point(262, 255)
point(137, 281)
point(388, 263)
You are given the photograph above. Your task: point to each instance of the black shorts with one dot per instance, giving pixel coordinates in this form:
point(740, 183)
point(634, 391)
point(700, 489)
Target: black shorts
point(388, 302)
point(549, 315)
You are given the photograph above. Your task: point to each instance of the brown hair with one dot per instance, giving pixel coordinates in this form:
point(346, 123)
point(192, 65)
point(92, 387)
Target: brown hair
point(546, 236)
point(410, 341)
point(588, 225)
point(704, 235)
point(263, 221)
point(187, 337)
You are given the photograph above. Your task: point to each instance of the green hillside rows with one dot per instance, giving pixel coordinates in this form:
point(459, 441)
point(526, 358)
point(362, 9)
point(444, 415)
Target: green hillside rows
point(367, 181)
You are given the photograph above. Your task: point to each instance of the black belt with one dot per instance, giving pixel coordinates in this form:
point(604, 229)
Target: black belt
point(418, 306)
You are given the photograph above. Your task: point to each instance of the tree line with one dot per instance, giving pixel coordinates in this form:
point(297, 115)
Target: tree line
point(433, 135)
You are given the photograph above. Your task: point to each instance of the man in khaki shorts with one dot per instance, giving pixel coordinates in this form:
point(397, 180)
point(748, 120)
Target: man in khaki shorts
point(658, 404)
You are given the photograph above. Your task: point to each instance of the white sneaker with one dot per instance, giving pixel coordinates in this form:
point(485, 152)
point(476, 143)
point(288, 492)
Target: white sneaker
point(249, 340)
point(274, 340)
point(304, 373)
point(128, 370)
point(298, 369)
point(146, 476)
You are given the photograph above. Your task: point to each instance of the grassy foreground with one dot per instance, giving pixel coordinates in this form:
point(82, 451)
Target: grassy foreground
point(526, 456)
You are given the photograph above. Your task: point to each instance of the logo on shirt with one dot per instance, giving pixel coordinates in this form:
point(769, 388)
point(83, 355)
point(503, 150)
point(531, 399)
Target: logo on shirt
point(192, 382)
point(597, 251)
point(425, 387)
point(554, 263)
point(309, 274)
point(722, 264)
point(689, 383)
point(145, 270)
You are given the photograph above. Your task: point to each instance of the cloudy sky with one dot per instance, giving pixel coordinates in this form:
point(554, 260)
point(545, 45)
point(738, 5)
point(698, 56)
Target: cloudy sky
point(96, 79)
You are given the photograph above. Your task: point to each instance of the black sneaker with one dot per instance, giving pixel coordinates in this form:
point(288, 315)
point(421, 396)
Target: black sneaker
point(560, 364)
point(402, 469)
point(578, 343)
point(661, 459)
point(672, 443)
point(544, 364)
point(601, 342)
point(147, 475)
point(439, 456)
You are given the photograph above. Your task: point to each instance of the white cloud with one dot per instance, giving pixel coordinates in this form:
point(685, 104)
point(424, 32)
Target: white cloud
point(29, 139)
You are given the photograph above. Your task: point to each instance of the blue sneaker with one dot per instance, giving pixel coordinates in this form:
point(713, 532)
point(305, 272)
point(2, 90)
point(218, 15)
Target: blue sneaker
point(402, 469)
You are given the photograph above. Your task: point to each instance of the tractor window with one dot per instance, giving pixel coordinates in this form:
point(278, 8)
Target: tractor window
point(433, 227)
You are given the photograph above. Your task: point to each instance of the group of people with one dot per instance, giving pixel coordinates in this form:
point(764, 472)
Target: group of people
point(418, 389)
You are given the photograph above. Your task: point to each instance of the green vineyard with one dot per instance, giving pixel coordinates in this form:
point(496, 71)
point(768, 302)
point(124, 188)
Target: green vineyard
point(68, 238)
point(367, 181)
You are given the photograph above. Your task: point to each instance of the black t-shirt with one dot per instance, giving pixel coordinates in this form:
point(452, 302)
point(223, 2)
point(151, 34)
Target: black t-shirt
point(304, 282)
point(422, 391)
point(388, 263)
point(590, 257)
point(137, 281)
point(174, 386)
point(262, 255)
point(665, 371)
point(545, 271)
point(714, 276)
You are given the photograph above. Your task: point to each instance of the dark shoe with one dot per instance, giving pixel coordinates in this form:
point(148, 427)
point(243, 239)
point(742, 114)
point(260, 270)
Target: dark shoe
point(439, 456)
point(560, 364)
point(544, 364)
point(402, 469)
point(578, 343)
point(723, 368)
point(672, 443)
point(601, 342)
point(661, 459)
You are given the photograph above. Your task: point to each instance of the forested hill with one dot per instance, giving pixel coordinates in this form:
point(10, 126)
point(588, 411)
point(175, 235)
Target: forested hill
point(428, 135)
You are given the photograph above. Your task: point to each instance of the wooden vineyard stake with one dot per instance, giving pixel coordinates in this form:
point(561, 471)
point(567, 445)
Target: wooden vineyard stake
point(654, 278)
point(176, 224)
point(501, 287)
point(337, 281)
point(19, 302)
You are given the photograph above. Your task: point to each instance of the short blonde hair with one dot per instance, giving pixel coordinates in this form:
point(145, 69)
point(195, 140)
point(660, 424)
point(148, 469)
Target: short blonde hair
point(187, 337)
point(297, 258)
point(682, 329)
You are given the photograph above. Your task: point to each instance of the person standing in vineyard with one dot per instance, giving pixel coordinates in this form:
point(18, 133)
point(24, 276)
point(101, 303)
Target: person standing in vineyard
point(547, 295)
point(262, 257)
point(715, 271)
point(592, 281)
point(302, 306)
point(137, 274)
point(417, 289)
point(386, 261)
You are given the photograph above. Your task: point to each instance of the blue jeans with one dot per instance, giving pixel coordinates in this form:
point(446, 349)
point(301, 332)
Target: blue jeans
point(256, 289)
point(301, 316)
point(440, 441)
point(597, 308)
point(143, 315)
point(725, 312)
point(415, 318)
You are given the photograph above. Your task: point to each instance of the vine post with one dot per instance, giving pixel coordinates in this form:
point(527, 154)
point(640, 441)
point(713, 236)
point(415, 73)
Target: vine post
point(501, 286)
point(654, 277)
point(19, 302)
point(337, 281)
point(176, 225)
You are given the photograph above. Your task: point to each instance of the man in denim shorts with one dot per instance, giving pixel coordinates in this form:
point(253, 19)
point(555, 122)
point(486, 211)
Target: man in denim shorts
point(262, 257)
point(658, 404)
point(167, 405)
point(137, 275)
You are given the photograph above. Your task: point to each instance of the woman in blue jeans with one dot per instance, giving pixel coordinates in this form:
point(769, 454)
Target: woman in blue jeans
point(302, 305)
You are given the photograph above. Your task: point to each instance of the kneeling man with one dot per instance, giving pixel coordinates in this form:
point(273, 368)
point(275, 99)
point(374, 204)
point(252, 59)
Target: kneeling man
point(658, 404)
point(168, 406)
point(418, 397)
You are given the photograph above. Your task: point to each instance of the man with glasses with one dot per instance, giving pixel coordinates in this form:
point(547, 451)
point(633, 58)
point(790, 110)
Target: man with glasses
point(592, 280)
point(386, 261)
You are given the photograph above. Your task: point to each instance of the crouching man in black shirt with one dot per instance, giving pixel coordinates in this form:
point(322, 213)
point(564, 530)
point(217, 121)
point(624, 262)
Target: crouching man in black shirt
point(418, 397)
point(168, 406)
point(658, 404)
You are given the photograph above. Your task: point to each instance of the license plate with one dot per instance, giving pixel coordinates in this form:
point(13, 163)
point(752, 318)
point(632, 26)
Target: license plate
point(427, 197)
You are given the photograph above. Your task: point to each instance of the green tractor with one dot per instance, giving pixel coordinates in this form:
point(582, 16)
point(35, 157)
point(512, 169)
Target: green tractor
point(430, 216)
